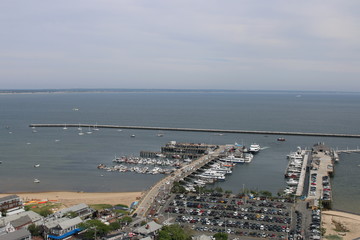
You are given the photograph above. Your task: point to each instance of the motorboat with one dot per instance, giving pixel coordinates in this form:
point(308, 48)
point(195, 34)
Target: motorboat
point(292, 182)
point(248, 157)
point(281, 139)
point(132, 136)
point(233, 159)
point(254, 148)
point(37, 165)
point(36, 180)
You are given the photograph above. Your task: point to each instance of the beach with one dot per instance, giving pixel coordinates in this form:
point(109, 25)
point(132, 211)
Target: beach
point(350, 221)
point(72, 198)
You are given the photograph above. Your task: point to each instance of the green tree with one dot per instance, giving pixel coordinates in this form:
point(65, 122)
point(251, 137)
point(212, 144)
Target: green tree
point(265, 193)
point(221, 236)
point(125, 220)
point(45, 212)
point(218, 189)
point(178, 188)
point(94, 228)
point(114, 226)
point(34, 230)
point(173, 232)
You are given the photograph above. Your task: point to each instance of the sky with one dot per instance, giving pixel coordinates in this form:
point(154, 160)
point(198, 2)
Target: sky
point(180, 44)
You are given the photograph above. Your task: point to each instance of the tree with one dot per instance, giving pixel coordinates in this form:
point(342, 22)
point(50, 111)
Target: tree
point(34, 230)
point(218, 189)
point(125, 220)
point(173, 232)
point(265, 193)
point(94, 228)
point(45, 212)
point(221, 236)
point(178, 188)
point(114, 226)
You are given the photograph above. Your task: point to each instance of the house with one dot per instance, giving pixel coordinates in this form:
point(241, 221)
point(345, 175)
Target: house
point(81, 210)
point(61, 228)
point(22, 234)
point(17, 221)
point(149, 229)
point(10, 203)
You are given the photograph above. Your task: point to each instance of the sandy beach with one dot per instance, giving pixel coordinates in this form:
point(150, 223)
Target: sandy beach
point(350, 221)
point(73, 198)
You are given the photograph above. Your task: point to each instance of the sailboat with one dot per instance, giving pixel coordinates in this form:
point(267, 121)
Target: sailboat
point(79, 128)
point(96, 128)
point(81, 133)
point(65, 128)
point(89, 132)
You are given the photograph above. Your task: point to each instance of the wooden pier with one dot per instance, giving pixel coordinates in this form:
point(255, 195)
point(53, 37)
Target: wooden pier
point(343, 135)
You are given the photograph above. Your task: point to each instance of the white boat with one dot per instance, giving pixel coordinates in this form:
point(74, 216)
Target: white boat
point(81, 133)
point(292, 182)
point(37, 165)
point(79, 128)
point(160, 134)
point(89, 131)
point(132, 136)
point(233, 159)
point(36, 180)
point(254, 148)
point(65, 127)
point(248, 157)
point(96, 128)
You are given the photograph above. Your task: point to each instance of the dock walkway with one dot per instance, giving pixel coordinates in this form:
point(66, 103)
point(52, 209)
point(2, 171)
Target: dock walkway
point(166, 183)
point(300, 188)
point(201, 130)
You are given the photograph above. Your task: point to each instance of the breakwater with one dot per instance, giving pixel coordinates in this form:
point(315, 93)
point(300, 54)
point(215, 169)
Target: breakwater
point(344, 135)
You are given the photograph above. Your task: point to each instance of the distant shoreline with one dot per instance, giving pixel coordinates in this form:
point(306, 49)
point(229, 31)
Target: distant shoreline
point(69, 91)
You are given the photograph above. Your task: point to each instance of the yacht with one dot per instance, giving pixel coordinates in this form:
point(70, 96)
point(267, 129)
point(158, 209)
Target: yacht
point(254, 148)
point(233, 159)
point(248, 157)
point(292, 182)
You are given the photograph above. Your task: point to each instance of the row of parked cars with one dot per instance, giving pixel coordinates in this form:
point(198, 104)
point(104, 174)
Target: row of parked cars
point(257, 217)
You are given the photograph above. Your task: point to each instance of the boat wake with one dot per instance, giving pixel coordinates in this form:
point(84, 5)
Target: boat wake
point(263, 148)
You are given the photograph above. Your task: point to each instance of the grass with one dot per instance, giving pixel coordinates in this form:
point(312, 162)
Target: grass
point(339, 227)
point(333, 237)
point(100, 206)
point(43, 208)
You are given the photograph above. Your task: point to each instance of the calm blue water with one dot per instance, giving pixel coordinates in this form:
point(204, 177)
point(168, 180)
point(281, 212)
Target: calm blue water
point(70, 163)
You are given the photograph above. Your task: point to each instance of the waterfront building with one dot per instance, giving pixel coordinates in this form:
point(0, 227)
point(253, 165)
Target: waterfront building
point(10, 204)
point(81, 210)
point(61, 228)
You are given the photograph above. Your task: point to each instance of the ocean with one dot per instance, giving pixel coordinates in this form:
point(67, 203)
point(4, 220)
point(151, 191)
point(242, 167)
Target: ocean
point(68, 162)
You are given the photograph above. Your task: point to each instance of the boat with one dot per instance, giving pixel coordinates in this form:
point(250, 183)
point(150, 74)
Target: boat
point(81, 133)
point(254, 148)
point(132, 136)
point(281, 139)
point(37, 165)
point(89, 131)
point(233, 159)
point(36, 180)
point(96, 128)
point(248, 157)
point(79, 128)
point(65, 127)
point(292, 182)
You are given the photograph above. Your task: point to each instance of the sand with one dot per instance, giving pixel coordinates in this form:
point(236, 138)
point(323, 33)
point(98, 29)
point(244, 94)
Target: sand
point(350, 221)
point(72, 198)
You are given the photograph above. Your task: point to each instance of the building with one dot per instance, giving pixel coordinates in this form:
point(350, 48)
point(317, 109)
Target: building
point(81, 210)
point(61, 228)
point(10, 203)
point(22, 234)
point(150, 229)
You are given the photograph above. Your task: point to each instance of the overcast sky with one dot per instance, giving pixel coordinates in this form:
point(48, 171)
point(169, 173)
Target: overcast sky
point(180, 44)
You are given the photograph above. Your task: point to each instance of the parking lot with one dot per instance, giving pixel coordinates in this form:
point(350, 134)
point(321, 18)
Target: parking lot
point(238, 216)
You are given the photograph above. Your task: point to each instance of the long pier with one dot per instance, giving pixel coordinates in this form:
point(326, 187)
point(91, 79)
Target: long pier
point(343, 135)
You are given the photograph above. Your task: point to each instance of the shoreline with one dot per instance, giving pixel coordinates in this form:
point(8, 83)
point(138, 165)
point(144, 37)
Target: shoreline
point(72, 198)
point(351, 221)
